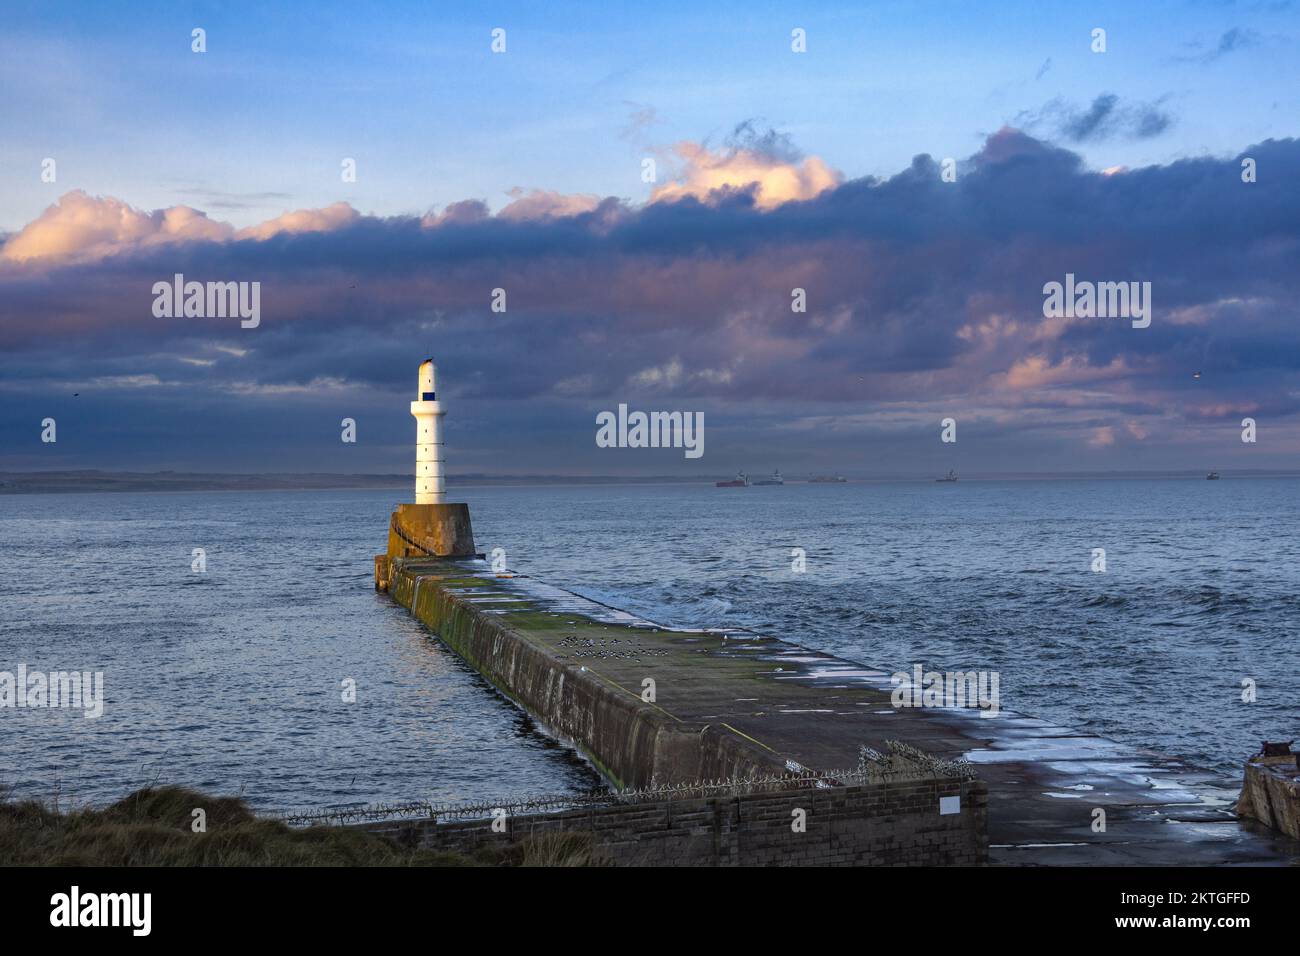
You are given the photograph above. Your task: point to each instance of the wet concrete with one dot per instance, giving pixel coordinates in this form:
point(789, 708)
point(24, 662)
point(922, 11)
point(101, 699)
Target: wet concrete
point(761, 701)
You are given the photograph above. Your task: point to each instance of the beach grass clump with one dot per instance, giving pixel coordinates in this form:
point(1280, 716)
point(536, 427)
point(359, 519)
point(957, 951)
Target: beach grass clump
point(155, 827)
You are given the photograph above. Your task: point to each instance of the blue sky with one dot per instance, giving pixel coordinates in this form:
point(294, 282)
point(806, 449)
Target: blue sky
point(776, 170)
point(260, 123)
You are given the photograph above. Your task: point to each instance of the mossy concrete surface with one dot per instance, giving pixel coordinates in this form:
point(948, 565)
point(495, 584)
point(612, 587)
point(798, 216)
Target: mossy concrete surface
point(583, 679)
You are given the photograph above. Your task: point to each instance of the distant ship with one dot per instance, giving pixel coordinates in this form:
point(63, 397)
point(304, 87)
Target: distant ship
point(826, 480)
point(951, 476)
point(740, 481)
point(776, 479)
point(1212, 476)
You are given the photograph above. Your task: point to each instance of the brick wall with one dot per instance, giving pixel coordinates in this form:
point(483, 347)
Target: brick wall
point(888, 824)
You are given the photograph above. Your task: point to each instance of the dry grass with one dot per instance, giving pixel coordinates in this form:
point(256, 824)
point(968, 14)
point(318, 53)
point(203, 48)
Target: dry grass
point(152, 827)
point(549, 849)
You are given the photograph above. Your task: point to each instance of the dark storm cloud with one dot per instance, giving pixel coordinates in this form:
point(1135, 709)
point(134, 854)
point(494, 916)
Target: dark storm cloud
point(921, 294)
point(751, 135)
point(1105, 118)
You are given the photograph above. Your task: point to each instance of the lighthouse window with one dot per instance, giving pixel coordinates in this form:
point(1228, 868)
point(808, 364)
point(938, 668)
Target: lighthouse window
point(427, 397)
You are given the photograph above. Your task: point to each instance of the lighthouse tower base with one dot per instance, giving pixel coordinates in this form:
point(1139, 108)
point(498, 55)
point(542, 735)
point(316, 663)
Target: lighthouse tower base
point(442, 530)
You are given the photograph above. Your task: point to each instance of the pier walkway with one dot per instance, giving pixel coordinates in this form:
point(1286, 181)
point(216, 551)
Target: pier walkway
point(730, 702)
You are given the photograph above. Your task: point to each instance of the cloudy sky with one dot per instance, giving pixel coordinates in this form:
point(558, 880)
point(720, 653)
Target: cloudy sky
point(773, 170)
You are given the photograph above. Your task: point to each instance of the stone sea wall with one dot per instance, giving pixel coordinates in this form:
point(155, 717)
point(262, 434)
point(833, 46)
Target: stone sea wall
point(885, 824)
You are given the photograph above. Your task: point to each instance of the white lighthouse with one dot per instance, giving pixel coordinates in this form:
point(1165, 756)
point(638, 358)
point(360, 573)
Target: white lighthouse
point(428, 438)
point(431, 527)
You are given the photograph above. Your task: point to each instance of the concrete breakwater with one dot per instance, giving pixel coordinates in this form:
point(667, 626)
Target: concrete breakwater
point(594, 679)
point(650, 705)
point(537, 658)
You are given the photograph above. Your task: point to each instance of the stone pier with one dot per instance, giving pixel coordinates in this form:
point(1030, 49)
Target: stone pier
point(650, 705)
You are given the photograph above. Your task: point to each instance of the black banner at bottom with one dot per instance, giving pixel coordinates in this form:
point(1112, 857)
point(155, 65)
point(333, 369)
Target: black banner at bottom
point(336, 905)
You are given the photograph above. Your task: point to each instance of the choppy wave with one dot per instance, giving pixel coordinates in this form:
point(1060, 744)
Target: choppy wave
point(1201, 589)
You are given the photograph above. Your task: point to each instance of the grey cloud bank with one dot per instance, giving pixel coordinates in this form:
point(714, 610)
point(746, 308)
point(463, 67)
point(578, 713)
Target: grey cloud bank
point(924, 300)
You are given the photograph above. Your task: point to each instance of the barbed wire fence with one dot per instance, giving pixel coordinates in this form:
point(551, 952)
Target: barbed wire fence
point(903, 763)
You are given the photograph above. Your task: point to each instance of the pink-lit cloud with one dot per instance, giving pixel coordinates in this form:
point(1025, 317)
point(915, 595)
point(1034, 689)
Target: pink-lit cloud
point(81, 227)
point(544, 204)
point(1036, 371)
point(334, 216)
point(774, 180)
point(1102, 437)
